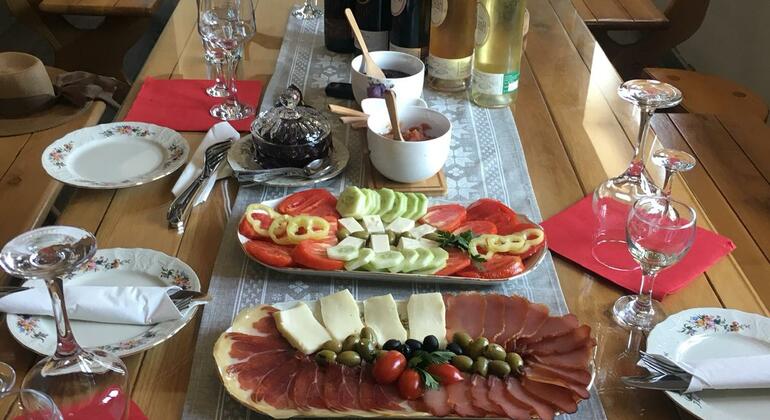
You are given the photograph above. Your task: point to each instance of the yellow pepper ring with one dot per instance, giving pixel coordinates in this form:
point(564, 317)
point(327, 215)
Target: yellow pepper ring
point(537, 234)
point(511, 243)
point(473, 246)
point(278, 232)
point(256, 224)
point(315, 228)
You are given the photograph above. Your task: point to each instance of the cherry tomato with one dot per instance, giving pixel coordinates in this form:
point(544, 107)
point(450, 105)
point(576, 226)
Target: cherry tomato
point(446, 217)
point(500, 266)
point(313, 202)
point(389, 367)
point(312, 254)
point(410, 385)
point(245, 229)
point(270, 253)
point(496, 212)
point(445, 373)
point(458, 260)
point(477, 227)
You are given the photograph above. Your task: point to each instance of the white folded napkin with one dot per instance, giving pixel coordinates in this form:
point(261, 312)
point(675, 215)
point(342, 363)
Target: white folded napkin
point(728, 373)
point(220, 132)
point(115, 305)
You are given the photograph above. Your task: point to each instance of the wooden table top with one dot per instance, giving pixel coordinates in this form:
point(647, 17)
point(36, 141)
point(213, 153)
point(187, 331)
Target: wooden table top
point(100, 7)
point(575, 131)
point(620, 14)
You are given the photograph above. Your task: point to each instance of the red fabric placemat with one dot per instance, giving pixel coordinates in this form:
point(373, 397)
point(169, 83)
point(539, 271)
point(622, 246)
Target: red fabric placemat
point(570, 234)
point(183, 105)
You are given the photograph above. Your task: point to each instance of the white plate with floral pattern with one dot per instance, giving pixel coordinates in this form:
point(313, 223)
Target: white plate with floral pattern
point(115, 155)
point(702, 333)
point(113, 267)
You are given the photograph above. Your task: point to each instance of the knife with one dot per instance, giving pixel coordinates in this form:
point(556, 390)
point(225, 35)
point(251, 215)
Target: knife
point(657, 382)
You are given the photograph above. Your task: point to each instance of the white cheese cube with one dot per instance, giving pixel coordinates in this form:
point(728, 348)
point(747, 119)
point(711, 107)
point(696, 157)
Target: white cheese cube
point(409, 243)
point(340, 315)
point(356, 243)
point(426, 314)
point(301, 328)
point(401, 225)
point(427, 243)
point(374, 224)
point(380, 243)
point(422, 230)
point(381, 315)
point(351, 224)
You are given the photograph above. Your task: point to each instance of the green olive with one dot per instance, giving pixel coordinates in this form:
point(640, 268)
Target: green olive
point(494, 352)
point(477, 346)
point(349, 342)
point(332, 345)
point(464, 363)
point(366, 349)
point(392, 237)
point(369, 334)
point(463, 339)
point(515, 362)
point(499, 368)
point(481, 366)
point(342, 233)
point(349, 358)
point(361, 234)
point(325, 357)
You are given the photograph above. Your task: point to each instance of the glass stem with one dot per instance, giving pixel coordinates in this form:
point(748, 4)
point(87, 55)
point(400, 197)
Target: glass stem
point(643, 303)
point(637, 163)
point(232, 73)
point(65, 342)
point(219, 75)
point(667, 183)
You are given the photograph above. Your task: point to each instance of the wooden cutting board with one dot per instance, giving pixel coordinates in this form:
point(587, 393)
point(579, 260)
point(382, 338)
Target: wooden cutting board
point(433, 186)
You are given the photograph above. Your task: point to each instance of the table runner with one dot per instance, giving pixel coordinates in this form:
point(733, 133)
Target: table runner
point(486, 160)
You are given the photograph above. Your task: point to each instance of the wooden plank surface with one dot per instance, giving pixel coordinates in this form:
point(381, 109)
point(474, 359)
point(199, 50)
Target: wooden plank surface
point(621, 14)
point(100, 7)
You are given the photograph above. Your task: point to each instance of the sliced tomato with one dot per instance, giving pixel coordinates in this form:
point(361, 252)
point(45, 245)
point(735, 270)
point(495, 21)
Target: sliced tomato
point(245, 229)
point(496, 212)
point(458, 260)
point(500, 266)
point(477, 227)
point(313, 202)
point(312, 254)
point(447, 217)
point(270, 253)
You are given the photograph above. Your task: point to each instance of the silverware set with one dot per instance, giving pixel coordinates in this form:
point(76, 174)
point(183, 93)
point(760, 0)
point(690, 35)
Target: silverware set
point(182, 299)
point(665, 374)
point(315, 169)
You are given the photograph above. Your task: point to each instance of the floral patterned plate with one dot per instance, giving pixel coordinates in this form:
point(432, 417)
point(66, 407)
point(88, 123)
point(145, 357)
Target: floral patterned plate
point(702, 333)
point(115, 155)
point(114, 267)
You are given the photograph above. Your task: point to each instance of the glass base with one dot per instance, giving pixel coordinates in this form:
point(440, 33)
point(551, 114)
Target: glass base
point(217, 91)
point(613, 254)
point(625, 315)
point(232, 111)
point(307, 12)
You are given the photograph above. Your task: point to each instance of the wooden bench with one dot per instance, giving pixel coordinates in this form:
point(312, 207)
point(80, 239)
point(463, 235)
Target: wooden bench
point(620, 14)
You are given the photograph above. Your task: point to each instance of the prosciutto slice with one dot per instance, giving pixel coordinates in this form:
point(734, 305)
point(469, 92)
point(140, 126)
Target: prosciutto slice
point(388, 398)
point(275, 387)
point(578, 376)
point(303, 384)
point(559, 397)
point(499, 395)
point(536, 316)
point(464, 313)
point(575, 359)
point(480, 396)
point(553, 327)
point(494, 316)
point(436, 401)
point(459, 398)
point(579, 337)
point(331, 386)
point(245, 346)
point(348, 390)
point(515, 314)
point(542, 375)
point(520, 397)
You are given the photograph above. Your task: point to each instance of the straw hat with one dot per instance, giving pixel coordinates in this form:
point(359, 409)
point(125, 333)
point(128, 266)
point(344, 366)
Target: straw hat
point(28, 101)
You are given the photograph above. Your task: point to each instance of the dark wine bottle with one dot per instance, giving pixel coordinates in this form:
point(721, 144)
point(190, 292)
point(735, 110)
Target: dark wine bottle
point(410, 26)
point(337, 35)
point(373, 17)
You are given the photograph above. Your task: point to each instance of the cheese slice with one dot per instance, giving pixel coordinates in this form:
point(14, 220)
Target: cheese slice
point(380, 243)
point(301, 328)
point(381, 315)
point(351, 224)
point(401, 225)
point(356, 243)
point(409, 243)
point(340, 315)
point(422, 230)
point(374, 224)
point(426, 314)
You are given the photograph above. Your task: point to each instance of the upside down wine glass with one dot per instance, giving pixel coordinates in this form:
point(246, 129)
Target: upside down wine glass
point(614, 197)
point(307, 11)
point(82, 383)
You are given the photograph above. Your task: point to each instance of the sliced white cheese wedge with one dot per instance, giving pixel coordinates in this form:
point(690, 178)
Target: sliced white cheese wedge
point(401, 225)
point(381, 315)
point(380, 243)
point(340, 315)
point(374, 224)
point(426, 314)
point(356, 243)
point(351, 224)
point(422, 230)
point(408, 243)
point(301, 328)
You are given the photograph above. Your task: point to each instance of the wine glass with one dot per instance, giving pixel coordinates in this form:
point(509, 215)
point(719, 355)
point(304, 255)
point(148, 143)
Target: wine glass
point(227, 25)
point(673, 162)
point(307, 11)
point(7, 377)
point(614, 197)
point(215, 59)
point(79, 381)
point(657, 239)
point(28, 404)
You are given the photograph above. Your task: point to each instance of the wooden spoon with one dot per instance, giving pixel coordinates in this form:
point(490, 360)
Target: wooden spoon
point(372, 69)
point(390, 101)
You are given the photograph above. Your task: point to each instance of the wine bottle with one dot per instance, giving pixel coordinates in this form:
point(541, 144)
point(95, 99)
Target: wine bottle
point(497, 58)
point(373, 17)
point(337, 35)
point(410, 26)
point(452, 32)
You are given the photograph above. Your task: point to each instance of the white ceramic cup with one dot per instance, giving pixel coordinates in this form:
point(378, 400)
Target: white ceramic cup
point(407, 88)
point(409, 161)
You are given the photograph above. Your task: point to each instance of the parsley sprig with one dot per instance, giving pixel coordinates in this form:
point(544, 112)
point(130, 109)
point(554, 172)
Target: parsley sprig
point(420, 361)
point(461, 241)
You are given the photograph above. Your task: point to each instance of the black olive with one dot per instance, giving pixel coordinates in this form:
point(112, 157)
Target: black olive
point(454, 348)
point(405, 350)
point(391, 344)
point(413, 344)
point(430, 343)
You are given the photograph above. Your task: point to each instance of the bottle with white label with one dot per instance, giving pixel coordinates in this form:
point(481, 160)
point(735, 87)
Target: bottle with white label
point(410, 27)
point(373, 18)
point(450, 57)
point(497, 59)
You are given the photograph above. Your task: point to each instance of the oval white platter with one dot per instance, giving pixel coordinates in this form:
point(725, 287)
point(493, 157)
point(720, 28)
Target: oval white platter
point(115, 155)
point(702, 333)
point(530, 264)
point(113, 267)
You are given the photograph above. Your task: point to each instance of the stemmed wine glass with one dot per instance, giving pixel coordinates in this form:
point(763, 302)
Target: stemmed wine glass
point(228, 25)
point(307, 11)
point(7, 377)
point(673, 162)
point(614, 197)
point(659, 233)
point(24, 404)
point(215, 58)
point(79, 381)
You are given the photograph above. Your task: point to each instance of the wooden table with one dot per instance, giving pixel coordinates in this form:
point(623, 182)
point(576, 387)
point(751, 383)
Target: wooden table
point(100, 7)
point(620, 14)
point(575, 131)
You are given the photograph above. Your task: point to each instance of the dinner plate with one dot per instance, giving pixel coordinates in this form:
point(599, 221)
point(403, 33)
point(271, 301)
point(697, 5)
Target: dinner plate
point(240, 157)
point(115, 155)
point(113, 267)
point(530, 264)
point(704, 333)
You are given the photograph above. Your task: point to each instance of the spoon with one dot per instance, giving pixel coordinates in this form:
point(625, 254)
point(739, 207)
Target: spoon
point(315, 168)
point(372, 69)
point(390, 101)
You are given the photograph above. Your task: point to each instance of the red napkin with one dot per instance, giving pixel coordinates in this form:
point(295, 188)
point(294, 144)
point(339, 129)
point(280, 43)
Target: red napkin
point(570, 234)
point(183, 105)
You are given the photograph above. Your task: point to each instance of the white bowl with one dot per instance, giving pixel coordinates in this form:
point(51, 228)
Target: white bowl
point(407, 88)
point(409, 161)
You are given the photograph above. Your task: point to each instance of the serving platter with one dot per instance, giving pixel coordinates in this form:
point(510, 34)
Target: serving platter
point(113, 267)
point(704, 333)
point(530, 264)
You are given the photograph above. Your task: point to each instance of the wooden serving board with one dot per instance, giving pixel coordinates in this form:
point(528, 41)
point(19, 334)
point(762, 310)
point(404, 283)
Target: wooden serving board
point(433, 186)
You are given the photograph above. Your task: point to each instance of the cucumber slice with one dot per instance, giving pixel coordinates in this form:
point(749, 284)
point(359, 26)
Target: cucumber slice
point(422, 207)
point(372, 201)
point(387, 259)
point(352, 203)
point(410, 258)
point(412, 205)
point(342, 252)
point(365, 256)
point(371, 267)
point(387, 200)
point(399, 207)
point(440, 257)
point(424, 259)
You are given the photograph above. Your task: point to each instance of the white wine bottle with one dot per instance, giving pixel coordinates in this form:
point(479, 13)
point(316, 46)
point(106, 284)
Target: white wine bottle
point(450, 57)
point(497, 60)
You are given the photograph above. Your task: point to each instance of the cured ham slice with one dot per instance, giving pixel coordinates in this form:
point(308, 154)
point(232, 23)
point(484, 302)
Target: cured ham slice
point(459, 398)
point(565, 343)
point(536, 316)
point(520, 397)
point(578, 376)
point(542, 375)
point(366, 396)
point(315, 398)
point(348, 390)
point(480, 396)
point(494, 316)
point(245, 346)
point(303, 384)
point(499, 395)
point(388, 398)
point(553, 327)
point(464, 313)
point(575, 359)
point(275, 387)
point(557, 396)
point(331, 386)
point(436, 401)
point(515, 314)
point(263, 361)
